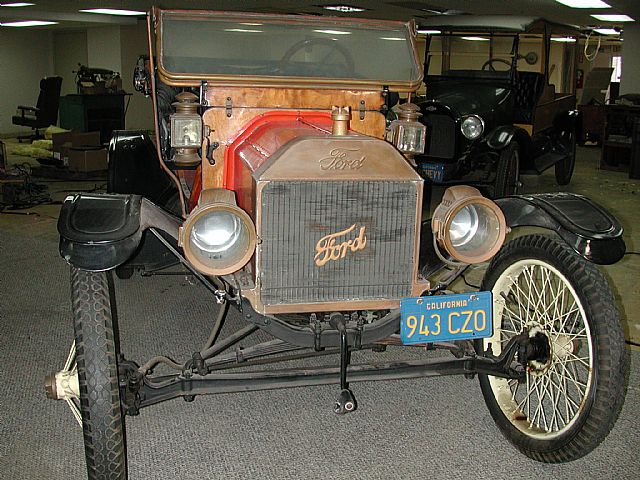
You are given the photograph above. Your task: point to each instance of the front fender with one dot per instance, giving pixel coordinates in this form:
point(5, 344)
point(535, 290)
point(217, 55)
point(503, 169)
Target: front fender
point(587, 227)
point(502, 136)
point(100, 232)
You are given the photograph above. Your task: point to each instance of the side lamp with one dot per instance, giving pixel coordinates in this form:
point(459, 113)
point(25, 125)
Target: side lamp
point(407, 133)
point(186, 130)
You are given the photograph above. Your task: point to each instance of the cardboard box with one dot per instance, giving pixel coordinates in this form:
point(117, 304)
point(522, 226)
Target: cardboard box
point(67, 140)
point(82, 160)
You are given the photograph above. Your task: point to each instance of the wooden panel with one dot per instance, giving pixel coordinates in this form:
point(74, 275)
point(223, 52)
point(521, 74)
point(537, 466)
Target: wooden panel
point(293, 98)
point(545, 113)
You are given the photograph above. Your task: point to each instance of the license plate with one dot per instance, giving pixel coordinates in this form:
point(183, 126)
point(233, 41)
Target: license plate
point(440, 318)
point(434, 171)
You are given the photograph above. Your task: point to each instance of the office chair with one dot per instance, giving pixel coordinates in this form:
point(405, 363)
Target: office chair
point(45, 112)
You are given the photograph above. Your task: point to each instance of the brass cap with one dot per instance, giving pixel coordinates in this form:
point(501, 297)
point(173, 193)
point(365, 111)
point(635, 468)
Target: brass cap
point(340, 117)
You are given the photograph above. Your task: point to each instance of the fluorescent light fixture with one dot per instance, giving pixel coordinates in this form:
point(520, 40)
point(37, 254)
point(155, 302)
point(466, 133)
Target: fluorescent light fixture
point(27, 23)
point(564, 39)
point(476, 39)
point(113, 11)
point(16, 4)
point(242, 30)
point(250, 24)
point(613, 18)
point(606, 31)
point(343, 8)
point(584, 3)
point(333, 32)
point(393, 38)
point(429, 32)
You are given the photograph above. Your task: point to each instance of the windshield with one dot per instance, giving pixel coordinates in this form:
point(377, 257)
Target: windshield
point(276, 49)
point(470, 53)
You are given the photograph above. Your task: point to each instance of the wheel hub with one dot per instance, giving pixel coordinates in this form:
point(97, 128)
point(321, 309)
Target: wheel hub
point(536, 351)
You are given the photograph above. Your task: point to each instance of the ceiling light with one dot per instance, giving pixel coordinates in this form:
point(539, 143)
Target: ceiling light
point(476, 39)
point(16, 4)
point(613, 18)
point(113, 11)
point(333, 32)
point(564, 39)
point(584, 3)
point(429, 32)
point(392, 38)
point(27, 23)
point(343, 8)
point(606, 31)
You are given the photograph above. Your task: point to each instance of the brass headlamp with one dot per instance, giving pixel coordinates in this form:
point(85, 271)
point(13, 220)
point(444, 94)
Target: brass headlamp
point(218, 237)
point(470, 227)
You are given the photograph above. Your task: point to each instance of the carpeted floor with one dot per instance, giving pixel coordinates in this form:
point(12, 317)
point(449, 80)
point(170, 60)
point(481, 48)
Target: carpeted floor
point(402, 430)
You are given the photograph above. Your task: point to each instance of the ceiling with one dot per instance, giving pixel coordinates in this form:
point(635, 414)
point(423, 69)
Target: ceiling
point(66, 11)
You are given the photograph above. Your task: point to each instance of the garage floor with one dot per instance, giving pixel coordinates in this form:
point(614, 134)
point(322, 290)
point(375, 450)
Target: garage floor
point(409, 429)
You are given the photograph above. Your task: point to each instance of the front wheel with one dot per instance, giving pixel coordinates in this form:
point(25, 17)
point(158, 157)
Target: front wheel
point(96, 346)
point(574, 385)
point(508, 171)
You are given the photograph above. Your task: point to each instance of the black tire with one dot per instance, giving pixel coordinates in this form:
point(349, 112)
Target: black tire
point(96, 347)
point(564, 168)
point(573, 392)
point(508, 171)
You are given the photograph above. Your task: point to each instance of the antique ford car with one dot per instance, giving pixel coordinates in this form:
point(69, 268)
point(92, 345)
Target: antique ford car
point(500, 101)
point(274, 180)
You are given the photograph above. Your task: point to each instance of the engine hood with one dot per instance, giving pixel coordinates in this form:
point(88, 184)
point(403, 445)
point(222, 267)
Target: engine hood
point(466, 99)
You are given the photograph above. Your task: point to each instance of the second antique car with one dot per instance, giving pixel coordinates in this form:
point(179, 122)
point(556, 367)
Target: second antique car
point(274, 181)
point(496, 105)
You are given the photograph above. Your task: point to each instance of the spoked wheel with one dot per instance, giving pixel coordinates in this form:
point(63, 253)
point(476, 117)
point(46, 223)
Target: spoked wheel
point(508, 172)
point(574, 368)
point(96, 346)
point(564, 168)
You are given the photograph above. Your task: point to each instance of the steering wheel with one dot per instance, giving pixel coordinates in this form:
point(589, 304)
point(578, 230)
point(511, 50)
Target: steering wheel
point(489, 63)
point(312, 43)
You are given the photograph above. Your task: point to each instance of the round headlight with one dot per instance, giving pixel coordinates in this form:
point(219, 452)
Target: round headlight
point(472, 127)
point(219, 239)
point(216, 233)
point(470, 227)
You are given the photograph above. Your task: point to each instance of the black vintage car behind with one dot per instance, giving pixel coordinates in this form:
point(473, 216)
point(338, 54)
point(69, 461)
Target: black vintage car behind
point(493, 108)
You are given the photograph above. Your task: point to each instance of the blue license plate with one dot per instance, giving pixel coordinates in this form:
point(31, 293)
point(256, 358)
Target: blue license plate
point(434, 171)
point(440, 318)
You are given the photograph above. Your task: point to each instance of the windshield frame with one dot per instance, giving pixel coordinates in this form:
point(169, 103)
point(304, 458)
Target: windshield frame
point(227, 80)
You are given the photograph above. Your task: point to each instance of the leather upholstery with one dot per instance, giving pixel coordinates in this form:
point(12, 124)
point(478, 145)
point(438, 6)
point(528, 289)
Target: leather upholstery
point(527, 90)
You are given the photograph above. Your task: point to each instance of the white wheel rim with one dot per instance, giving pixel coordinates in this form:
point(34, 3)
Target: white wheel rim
point(533, 295)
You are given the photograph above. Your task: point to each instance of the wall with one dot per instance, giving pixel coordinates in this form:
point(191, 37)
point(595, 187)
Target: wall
point(103, 48)
point(630, 60)
point(25, 57)
point(69, 49)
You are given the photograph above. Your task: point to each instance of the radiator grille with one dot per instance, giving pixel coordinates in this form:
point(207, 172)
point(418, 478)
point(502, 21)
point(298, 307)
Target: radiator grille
point(442, 136)
point(295, 215)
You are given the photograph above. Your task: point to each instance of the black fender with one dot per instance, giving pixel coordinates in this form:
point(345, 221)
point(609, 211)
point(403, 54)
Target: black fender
point(586, 227)
point(502, 136)
point(134, 168)
point(100, 232)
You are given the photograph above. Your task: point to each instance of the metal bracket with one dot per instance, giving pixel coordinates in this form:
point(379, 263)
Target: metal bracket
point(362, 109)
point(229, 107)
point(204, 85)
